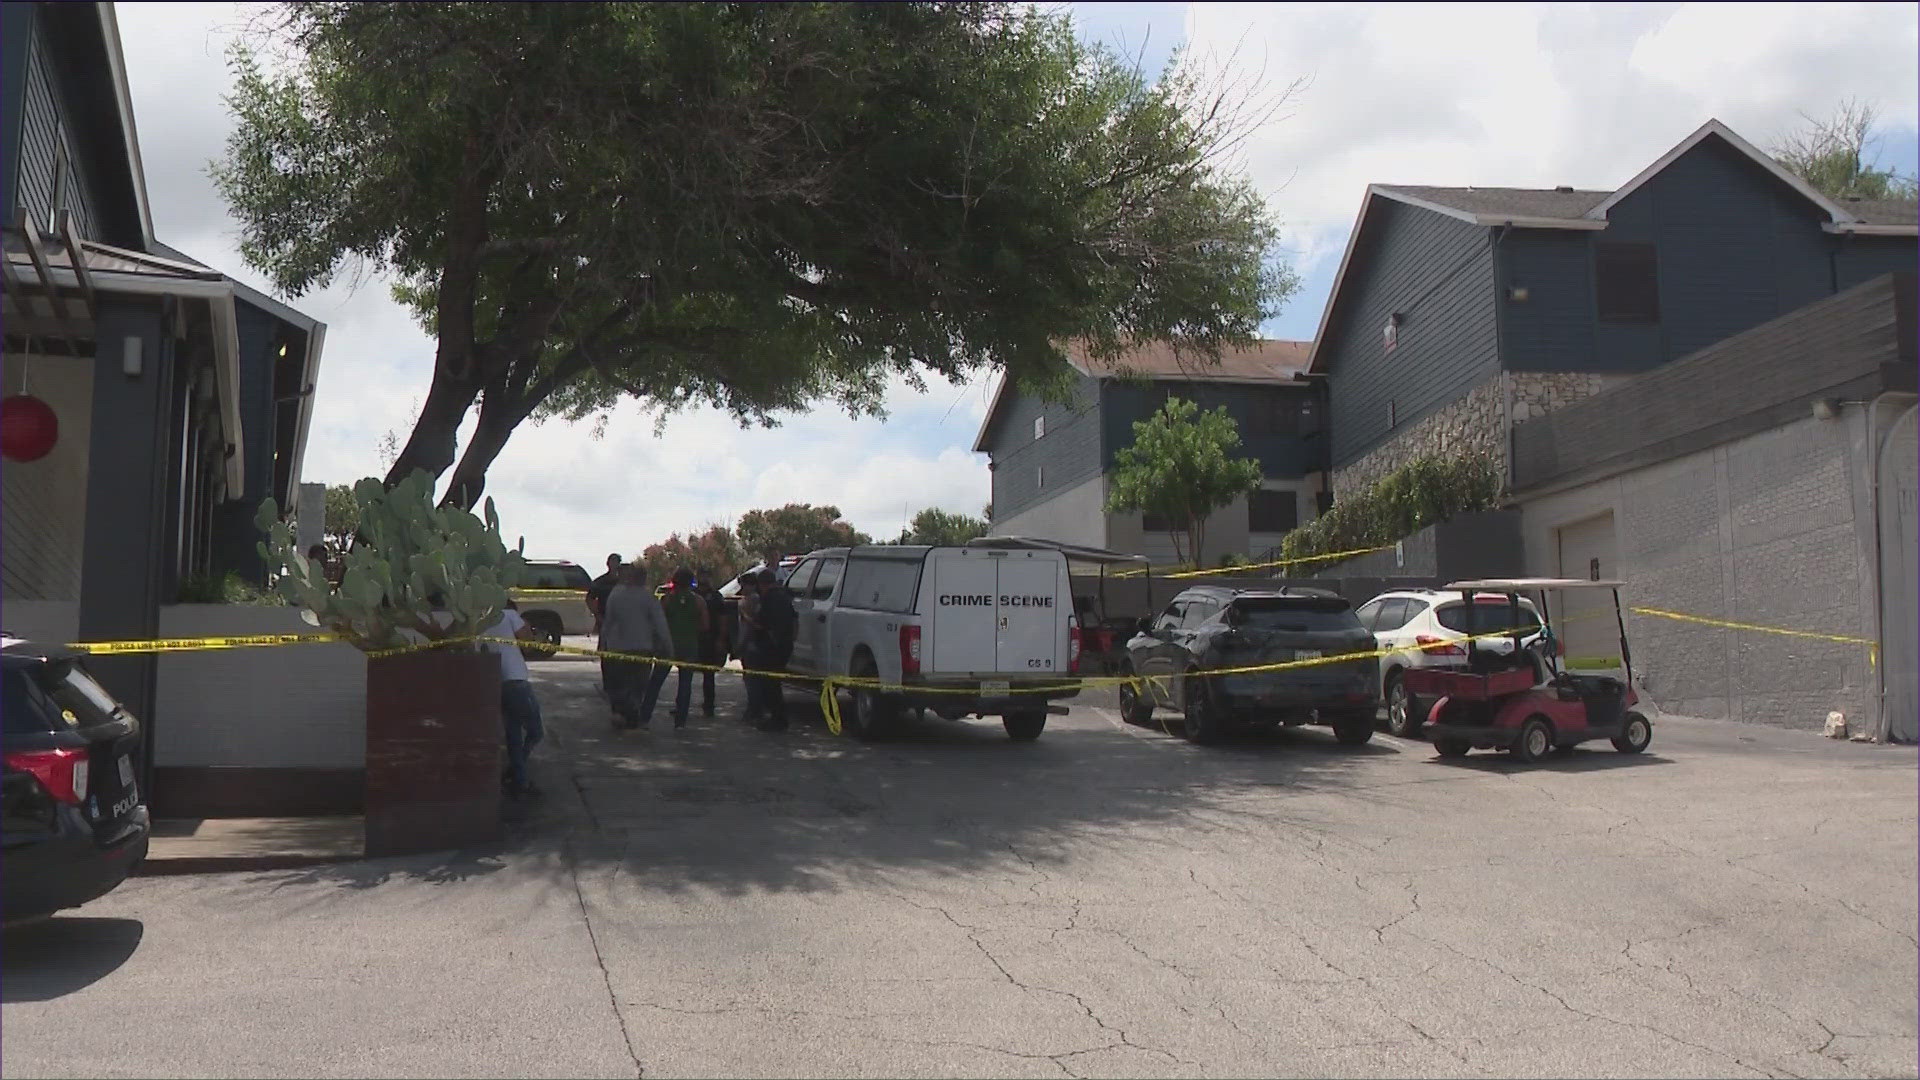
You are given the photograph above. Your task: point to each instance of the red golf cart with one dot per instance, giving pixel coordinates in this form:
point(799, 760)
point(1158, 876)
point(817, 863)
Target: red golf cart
point(1522, 698)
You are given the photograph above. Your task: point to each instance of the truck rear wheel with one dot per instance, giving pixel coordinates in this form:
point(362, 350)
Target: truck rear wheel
point(871, 713)
point(1024, 726)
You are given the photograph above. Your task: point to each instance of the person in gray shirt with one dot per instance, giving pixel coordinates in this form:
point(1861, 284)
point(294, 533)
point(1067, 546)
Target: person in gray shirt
point(631, 621)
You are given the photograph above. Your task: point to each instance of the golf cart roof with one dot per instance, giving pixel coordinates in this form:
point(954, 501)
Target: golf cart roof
point(1071, 551)
point(1530, 584)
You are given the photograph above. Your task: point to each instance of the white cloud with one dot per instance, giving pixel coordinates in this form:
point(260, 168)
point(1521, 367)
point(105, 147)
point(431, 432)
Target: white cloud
point(1532, 95)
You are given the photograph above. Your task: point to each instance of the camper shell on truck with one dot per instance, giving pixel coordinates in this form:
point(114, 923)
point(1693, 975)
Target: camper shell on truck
point(956, 631)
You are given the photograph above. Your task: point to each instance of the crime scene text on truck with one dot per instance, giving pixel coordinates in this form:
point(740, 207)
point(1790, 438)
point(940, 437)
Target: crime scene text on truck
point(974, 600)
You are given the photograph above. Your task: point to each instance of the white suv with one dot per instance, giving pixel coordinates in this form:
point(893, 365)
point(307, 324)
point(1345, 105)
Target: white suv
point(1426, 628)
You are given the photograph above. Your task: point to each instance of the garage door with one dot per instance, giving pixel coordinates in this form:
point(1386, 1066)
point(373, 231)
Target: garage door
point(1899, 584)
point(1585, 618)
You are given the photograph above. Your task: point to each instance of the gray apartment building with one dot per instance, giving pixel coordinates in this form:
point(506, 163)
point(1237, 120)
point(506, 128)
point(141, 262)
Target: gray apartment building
point(1050, 459)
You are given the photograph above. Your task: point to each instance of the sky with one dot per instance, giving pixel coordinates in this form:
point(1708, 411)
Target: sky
point(1513, 95)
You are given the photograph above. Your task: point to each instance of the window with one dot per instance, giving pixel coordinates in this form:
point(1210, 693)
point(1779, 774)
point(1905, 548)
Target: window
point(1392, 614)
point(1626, 282)
point(1039, 428)
point(1272, 512)
point(1490, 617)
point(1367, 612)
point(1152, 522)
point(1170, 618)
point(1275, 413)
point(881, 584)
point(826, 579)
point(796, 582)
point(1198, 611)
point(1299, 614)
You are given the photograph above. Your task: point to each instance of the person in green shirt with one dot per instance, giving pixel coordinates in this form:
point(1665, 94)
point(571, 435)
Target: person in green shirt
point(687, 620)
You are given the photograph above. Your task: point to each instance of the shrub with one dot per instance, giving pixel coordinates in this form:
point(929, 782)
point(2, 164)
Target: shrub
point(1423, 492)
point(227, 588)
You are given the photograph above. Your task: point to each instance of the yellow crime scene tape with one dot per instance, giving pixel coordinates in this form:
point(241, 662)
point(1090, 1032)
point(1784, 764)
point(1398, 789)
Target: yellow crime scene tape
point(830, 685)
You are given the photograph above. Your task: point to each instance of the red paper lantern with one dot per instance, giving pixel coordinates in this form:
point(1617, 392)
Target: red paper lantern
point(28, 428)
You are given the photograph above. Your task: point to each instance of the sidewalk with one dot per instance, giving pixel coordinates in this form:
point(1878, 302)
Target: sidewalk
point(219, 845)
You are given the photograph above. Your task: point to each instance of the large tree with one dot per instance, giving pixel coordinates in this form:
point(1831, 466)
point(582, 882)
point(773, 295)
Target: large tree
point(793, 529)
point(1832, 155)
point(342, 519)
point(936, 526)
point(1180, 469)
point(754, 206)
point(715, 551)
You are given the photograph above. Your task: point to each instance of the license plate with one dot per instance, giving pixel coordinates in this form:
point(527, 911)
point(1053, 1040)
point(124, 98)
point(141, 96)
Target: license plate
point(994, 689)
point(1307, 654)
point(126, 771)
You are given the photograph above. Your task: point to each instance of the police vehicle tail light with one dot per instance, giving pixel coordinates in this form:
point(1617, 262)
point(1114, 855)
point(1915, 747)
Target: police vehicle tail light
point(1073, 647)
point(62, 772)
point(909, 650)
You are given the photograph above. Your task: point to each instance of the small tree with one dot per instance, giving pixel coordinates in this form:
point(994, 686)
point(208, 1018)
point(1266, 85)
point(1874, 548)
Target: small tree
point(342, 519)
point(795, 527)
point(936, 526)
point(715, 551)
point(1831, 155)
point(1179, 470)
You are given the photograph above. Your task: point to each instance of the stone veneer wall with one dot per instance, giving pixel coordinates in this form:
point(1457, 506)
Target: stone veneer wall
point(1474, 423)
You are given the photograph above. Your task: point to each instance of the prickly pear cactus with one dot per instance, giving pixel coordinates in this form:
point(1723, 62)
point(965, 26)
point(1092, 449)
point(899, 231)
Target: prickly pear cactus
point(410, 550)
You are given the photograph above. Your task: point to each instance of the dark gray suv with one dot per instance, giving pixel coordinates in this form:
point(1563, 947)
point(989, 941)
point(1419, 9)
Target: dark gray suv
point(1216, 628)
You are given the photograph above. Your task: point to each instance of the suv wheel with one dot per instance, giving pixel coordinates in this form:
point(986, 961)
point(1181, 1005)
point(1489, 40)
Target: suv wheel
point(1024, 726)
point(1135, 707)
point(546, 629)
point(1353, 729)
point(1403, 709)
point(1203, 719)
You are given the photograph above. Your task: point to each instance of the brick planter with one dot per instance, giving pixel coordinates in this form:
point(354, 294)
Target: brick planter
point(433, 751)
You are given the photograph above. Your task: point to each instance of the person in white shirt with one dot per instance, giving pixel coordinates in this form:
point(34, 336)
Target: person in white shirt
point(519, 708)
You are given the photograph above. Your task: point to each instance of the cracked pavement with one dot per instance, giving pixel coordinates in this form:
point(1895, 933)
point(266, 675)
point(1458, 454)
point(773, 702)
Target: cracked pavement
point(1108, 901)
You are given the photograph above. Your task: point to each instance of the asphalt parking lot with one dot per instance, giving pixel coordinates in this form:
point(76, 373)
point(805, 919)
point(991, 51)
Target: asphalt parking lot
point(1108, 901)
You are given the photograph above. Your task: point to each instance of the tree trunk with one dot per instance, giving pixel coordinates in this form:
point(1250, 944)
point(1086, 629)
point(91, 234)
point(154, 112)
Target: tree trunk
point(433, 441)
point(499, 416)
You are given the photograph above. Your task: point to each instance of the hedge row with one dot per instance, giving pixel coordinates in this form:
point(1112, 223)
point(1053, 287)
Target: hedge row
point(1422, 492)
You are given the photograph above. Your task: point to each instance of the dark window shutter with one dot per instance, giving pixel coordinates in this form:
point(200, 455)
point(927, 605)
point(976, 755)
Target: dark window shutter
point(1626, 282)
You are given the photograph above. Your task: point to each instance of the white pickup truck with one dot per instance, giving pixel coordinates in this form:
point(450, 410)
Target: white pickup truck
point(961, 630)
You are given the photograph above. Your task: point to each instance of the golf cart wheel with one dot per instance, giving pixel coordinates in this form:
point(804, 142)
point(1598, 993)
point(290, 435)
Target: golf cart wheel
point(1404, 717)
point(1135, 707)
point(1634, 735)
point(1451, 747)
point(1024, 726)
point(546, 629)
point(1353, 729)
point(870, 713)
point(1203, 719)
point(1535, 741)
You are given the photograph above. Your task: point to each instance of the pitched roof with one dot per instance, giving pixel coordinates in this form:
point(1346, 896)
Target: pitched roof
point(1570, 208)
point(1267, 361)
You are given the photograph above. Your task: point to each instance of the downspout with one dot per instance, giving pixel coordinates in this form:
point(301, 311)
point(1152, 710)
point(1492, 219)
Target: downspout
point(1882, 727)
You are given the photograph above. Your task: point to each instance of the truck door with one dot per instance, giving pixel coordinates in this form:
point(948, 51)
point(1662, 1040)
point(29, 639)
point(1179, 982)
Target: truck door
point(1030, 619)
point(962, 607)
point(812, 642)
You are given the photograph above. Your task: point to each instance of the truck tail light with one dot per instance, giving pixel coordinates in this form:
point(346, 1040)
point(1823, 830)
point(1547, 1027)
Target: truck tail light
point(62, 772)
point(909, 650)
point(1073, 647)
point(1434, 646)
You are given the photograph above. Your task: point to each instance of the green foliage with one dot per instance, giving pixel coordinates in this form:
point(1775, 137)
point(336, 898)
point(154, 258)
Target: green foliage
point(796, 527)
point(227, 588)
point(342, 518)
point(1423, 492)
point(936, 526)
point(1179, 469)
point(716, 551)
point(1831, 155)
point(411, 550)
point(753, 206)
